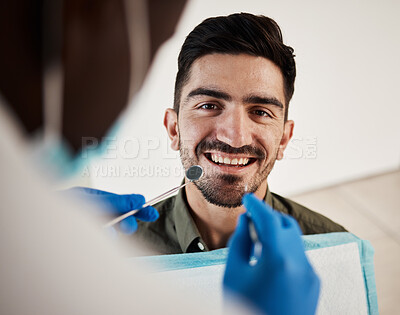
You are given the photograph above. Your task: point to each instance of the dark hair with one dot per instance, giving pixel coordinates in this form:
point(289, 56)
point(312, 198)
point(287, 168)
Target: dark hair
point(239, 33)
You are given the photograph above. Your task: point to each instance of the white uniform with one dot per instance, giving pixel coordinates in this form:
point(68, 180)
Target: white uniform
point(55, 258)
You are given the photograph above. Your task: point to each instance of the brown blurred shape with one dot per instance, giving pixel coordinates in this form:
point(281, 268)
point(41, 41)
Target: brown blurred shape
point(95, 53)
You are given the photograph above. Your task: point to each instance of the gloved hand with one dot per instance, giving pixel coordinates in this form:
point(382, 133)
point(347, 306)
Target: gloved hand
point(118, 205)
point(282, 281)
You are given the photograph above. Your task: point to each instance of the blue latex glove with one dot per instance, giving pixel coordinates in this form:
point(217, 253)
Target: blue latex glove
point(120, 204)
point(282, 281)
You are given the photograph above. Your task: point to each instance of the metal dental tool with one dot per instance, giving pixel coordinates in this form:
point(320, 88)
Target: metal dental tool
point(193, 173)
point(253, 234)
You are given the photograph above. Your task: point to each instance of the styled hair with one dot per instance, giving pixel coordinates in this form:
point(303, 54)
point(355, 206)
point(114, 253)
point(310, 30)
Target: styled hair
point(239, 33)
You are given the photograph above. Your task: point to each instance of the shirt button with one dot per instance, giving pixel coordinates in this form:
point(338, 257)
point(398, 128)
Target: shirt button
point(201, 246)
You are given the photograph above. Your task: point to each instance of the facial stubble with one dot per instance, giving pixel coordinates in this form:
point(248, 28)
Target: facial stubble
point(225, 190)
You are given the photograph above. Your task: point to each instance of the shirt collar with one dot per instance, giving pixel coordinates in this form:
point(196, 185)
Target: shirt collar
point(268, 198)
point(186, 230)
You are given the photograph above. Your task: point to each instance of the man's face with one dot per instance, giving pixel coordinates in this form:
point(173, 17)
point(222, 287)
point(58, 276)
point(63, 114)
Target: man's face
point(231, 122)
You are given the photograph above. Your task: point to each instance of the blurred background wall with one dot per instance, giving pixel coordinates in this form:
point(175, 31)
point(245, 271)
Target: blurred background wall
point(345, 104)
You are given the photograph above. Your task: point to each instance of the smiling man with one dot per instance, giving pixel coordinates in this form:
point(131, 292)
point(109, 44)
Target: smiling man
point(234, 83)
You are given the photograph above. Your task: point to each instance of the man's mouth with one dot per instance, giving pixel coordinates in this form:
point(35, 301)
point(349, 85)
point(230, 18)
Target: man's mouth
point(233, 161)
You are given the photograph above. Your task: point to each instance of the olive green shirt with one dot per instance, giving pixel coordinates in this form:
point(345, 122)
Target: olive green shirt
point(175, 231)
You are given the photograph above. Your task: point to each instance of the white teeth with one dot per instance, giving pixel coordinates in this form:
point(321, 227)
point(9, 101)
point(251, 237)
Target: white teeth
point(225, 160)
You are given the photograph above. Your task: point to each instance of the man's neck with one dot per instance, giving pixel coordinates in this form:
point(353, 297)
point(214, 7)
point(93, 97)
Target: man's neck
point(215, 224)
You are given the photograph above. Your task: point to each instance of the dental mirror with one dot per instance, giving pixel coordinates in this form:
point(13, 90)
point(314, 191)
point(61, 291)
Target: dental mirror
point(193, 173)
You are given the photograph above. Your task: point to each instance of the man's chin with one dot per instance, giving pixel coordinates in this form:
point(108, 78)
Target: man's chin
point(228, 179)
point(223, 202)
point(223, 194)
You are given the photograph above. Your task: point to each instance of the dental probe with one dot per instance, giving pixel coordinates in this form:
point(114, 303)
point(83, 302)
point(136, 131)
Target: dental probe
point(253, 233)
point(193, 173)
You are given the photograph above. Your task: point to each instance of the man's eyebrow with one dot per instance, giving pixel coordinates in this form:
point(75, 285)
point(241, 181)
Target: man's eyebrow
point(209, 92)
point(266, 100)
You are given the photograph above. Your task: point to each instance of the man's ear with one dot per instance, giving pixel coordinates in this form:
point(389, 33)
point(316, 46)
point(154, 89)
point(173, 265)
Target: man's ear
point(171, 124)
point(287, 135)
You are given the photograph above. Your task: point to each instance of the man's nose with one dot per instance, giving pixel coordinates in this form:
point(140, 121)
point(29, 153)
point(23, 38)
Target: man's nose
point(234, 127)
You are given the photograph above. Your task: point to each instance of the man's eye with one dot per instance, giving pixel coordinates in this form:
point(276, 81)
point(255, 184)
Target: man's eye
point(208, 106)
point(261, 113)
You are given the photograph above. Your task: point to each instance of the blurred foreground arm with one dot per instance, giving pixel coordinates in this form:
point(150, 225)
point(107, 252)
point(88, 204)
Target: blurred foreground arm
point(282, 281)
